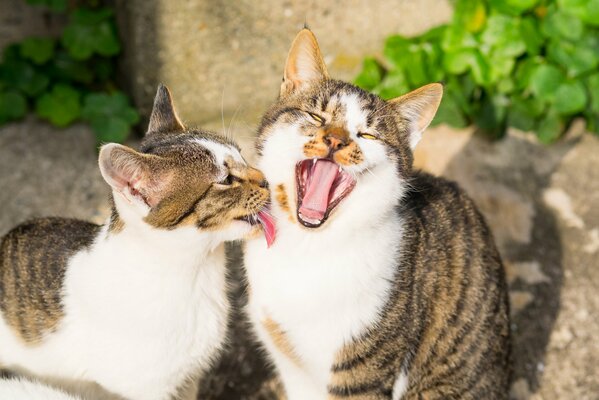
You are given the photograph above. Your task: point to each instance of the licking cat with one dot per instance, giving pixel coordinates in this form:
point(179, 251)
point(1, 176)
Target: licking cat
point(137, 305)
point(384, 282)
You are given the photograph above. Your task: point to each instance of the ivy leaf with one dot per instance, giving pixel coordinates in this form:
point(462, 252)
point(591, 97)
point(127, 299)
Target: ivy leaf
point(550, 128)
point(472, 14)
point(504, 35)
point(586, 10)
point(393, 85)
point(570, 98)
point(64, 68)
point(529, 29)
point(576, 58)
point(90, 32)
point(544, 81)
point(109, 115)
point(23, 76)
point(38, 50)
point(61, 106)
point(371, 74)
point(54, 5)
point(559, 23)
point(13, 105)
point(459, 61)
point(395, 50)
point(513, 7)
point(522, 115)
point(593, 86)
point(449, 112)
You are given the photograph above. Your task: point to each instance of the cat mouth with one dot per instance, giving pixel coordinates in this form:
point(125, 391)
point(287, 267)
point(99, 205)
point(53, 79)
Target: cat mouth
point(265, 221)
point(321, 185)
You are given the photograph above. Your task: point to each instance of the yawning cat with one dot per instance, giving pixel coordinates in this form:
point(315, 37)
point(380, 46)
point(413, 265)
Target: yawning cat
point(137, 305)
point(384, 282)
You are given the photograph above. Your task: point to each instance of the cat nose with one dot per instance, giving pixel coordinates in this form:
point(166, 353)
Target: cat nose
point(334, 142)
point(336, 138)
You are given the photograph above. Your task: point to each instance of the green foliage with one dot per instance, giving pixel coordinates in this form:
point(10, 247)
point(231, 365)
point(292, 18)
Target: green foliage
point(71, 78)
point(530, 64)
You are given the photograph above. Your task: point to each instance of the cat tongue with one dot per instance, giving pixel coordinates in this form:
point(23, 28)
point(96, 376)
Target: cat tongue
point(316, 200)
point(268, 225)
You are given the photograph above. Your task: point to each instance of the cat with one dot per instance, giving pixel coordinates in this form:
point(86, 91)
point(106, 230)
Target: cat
point(137, 305)
point(384, 282)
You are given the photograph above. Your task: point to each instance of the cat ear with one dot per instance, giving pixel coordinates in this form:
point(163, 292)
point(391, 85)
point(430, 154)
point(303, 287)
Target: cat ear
point(419, 108)
point(304, 63)
point(164, 117)
point(133, 175)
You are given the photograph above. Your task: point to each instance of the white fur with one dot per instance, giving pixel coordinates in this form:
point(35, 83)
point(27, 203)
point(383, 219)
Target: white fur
point(324, 286)
point(400, 386)
point(145, 309)
point(22, 389)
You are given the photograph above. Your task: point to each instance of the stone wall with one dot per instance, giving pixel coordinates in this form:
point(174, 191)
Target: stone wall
point(229, 55)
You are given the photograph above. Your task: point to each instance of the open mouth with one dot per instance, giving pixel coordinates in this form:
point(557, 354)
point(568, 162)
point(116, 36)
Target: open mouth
point(321, 185)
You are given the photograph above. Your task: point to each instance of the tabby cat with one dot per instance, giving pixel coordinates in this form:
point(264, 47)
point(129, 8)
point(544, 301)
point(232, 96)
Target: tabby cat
point(137, 305)
point(384, 282)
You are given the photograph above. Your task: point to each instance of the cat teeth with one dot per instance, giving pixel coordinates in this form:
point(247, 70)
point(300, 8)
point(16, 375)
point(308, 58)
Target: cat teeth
point(314, 161)
point(340, 168)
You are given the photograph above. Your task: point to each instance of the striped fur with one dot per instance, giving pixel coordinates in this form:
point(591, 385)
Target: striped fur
point(400, 293)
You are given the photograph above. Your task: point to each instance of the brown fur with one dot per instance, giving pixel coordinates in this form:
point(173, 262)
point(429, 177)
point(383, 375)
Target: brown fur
point(280, 339)
point(282, 199)
point(33, 259)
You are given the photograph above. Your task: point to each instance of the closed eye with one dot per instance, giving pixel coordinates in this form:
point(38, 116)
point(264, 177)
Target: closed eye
point(367, 136)
point(317, 118)
point(229, 180)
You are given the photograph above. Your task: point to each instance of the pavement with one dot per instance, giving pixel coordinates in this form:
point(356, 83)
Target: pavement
point(540, 201)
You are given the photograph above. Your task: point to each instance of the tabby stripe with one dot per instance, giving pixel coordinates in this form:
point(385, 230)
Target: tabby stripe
point(190, 210)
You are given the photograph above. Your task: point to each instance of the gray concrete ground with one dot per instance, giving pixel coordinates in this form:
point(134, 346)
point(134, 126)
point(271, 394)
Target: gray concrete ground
point(541, 203)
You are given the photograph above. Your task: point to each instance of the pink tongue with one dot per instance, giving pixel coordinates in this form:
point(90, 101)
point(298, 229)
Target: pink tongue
point(268, 224)
point(316, 199)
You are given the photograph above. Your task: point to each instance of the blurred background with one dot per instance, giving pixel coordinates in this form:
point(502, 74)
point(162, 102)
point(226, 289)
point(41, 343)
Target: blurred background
point(517, 129)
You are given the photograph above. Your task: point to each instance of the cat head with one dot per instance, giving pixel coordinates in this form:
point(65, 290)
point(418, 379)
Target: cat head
point(183, 178)
point(331, 150)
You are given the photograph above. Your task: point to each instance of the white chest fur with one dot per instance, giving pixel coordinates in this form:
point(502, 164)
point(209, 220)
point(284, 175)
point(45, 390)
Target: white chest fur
point(322, 288)
point(144, 310)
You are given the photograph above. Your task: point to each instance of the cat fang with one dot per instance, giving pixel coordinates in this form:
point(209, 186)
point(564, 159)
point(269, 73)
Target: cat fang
point(321, 185)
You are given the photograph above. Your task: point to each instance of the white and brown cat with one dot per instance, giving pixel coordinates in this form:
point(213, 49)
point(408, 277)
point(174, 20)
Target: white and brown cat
point(384, 282)
point(137, 305)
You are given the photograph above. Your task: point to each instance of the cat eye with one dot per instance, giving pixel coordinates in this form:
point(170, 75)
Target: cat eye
point(229, 180)
point(317, 118)
point(367, 136)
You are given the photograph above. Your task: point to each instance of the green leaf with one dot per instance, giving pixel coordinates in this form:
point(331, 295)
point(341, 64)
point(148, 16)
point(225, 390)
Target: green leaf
point(23, 76)
point(559, 23)
point(395, 50)
point(393, 85)
point(481, 70)
point(63, 68)
point(503, 34)
point(38, 50)
point(570, 98)
point(457, 37)
point(593, 86)
point(576, 58)
point(449, 112)
point(586, 10)
point(371, 74)
point(13, 105)
point(550, 128)
point(90, 32)
point(521, 115)
point(472, 14)
point(544, 81)
point(529, 29)
point(491, 116)
point(109, 115)
point(459, 61)
point(513, 7)
point(54, 5)
point(61, 106)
